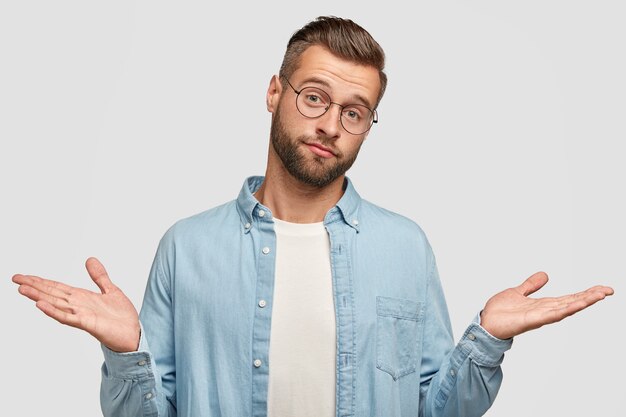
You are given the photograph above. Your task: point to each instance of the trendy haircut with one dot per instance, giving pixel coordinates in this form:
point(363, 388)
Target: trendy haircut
point(343, 38)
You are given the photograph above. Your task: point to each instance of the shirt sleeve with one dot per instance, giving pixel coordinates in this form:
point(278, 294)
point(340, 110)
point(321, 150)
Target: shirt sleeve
point(461, 380)
point(142, 383)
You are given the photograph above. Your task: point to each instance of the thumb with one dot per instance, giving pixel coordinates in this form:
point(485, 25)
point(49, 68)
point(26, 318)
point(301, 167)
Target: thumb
point(533, 283)
point(99, 275)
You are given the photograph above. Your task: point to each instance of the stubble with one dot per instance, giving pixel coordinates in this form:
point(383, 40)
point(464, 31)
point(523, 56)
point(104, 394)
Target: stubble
point(314, 171)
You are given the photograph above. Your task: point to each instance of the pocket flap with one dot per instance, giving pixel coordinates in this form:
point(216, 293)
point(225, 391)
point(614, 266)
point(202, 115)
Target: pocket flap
point(399, 308)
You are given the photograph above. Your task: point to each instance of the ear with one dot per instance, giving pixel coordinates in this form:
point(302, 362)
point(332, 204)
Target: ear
point(273, 94)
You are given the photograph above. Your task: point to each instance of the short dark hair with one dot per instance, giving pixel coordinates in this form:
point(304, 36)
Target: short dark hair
point(343, 38)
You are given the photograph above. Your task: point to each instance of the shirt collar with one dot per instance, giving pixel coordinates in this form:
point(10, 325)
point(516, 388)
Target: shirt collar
point(345, 210)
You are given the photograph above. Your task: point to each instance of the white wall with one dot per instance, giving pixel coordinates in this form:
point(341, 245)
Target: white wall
point(502, 133)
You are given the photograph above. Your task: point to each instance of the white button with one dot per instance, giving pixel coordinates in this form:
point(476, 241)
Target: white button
point(141, 363)
point(261, 213)
point(266, 250)
point(247, 225)
point(452, 372)
point(471, 336)
point(148, 396)
point(262, 303)
point(257, 363)
point(355, 222)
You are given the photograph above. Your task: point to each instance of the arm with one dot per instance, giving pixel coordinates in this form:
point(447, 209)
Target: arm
point(131, 384)
point(459, 381)
point(142, 383)
point(464, 381)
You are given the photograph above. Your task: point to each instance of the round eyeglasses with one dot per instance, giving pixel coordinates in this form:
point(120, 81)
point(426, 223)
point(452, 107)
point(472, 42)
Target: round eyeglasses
point(313, 102)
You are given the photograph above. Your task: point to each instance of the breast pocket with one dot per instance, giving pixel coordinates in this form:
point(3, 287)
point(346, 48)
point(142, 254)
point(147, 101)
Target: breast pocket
point(398, 334)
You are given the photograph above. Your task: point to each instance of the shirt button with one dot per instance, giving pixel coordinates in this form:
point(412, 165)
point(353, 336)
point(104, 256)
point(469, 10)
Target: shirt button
point(261, 213)
point(148, 396)
point(262, 303)
point(471, 336)
point(257, 363)
point(141, 363)
point(247, 225)
point(266, 250)
point(355, 222)
point(452, 372)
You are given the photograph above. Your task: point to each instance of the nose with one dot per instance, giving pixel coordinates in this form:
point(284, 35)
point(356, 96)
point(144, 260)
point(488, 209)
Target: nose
point(329, 124)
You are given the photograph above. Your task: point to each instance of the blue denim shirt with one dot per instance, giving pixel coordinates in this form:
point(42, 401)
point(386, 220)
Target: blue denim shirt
point(206, 334)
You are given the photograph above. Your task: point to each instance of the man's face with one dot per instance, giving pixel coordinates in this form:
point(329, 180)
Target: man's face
point(318, 151)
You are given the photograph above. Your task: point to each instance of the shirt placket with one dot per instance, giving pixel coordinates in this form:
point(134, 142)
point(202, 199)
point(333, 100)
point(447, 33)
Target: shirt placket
point(339, 233)
point(265, 247)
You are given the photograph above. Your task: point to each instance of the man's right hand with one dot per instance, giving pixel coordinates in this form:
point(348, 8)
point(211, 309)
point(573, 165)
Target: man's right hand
point(109, 316)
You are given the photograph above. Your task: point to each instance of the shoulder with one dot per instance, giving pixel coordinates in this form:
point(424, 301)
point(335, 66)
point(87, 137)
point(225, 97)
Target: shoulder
point(201, 225)
point(389, 219)
point(391, 225)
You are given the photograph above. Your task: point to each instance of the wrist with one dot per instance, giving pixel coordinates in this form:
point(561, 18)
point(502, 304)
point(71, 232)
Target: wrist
point(497, 332)
point(129, 344)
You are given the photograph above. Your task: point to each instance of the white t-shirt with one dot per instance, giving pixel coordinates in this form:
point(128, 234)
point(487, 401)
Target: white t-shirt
point(303, 341)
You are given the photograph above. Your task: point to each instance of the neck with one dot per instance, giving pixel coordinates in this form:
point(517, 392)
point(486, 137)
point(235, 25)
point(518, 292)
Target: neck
point(292, 201)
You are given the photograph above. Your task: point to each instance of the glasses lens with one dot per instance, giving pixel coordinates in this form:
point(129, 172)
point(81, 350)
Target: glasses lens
point(356, 118)
point(312, 102)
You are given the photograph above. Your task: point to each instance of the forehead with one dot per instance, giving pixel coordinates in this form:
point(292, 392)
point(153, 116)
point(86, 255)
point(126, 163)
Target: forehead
point(344, 79)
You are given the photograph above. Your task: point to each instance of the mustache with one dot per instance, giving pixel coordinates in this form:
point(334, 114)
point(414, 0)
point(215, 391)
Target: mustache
point(322, 140)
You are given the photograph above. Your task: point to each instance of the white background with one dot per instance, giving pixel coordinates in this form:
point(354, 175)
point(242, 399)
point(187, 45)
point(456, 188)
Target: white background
point(502, 134)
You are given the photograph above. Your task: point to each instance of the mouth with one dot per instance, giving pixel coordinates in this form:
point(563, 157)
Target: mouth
point(320, 150)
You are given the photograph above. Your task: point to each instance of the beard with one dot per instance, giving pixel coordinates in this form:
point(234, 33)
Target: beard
point(314, 171)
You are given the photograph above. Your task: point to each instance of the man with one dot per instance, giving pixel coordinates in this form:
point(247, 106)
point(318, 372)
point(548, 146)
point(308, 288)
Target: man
point(299, 298)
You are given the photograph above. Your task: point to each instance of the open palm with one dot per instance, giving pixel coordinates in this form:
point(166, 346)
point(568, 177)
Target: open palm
point(511, 312)
point(109, 315)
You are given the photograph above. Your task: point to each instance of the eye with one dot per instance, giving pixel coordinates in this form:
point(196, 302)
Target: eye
point(353, 114)
point(314, 99)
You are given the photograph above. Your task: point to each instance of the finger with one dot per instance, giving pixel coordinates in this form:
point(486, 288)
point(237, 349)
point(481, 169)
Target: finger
point(533, 283)
point(62, 305)
point(99, 275)
point(59, 303)
point(599, 288)
point(570, 298)
point(38, 291)
point(603, 289)
point(59, 315)
point(565, 300)
point(607, 291)
point(577, 305)
point(41, 283)
point(36, 295)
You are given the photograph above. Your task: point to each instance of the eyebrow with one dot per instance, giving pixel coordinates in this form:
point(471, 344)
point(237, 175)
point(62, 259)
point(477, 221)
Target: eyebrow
point(316, 80)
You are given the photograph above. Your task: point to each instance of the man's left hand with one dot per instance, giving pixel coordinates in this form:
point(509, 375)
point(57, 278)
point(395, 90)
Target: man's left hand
point(511, 312)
